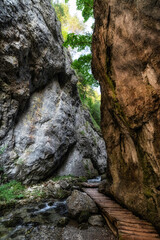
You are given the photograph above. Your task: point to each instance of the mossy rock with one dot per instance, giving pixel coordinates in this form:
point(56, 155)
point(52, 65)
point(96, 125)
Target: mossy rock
point(84, 216)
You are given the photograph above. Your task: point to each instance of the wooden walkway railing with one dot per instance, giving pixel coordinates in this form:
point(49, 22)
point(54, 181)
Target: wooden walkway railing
point(122, 222)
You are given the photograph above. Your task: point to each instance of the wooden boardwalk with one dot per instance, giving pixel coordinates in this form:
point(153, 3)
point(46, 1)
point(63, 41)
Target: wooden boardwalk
point(122, 222)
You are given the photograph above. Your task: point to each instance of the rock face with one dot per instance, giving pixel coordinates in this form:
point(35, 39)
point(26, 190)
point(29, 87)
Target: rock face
point(126, 50)
point(42, 122)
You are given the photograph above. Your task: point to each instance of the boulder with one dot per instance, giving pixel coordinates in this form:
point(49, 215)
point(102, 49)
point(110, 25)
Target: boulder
point(79, 203)
point(126, 50)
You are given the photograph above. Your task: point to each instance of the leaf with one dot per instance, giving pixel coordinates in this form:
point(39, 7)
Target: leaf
point(78, 41)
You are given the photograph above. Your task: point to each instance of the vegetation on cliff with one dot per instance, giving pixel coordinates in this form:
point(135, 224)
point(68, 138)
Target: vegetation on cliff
point(76, 38)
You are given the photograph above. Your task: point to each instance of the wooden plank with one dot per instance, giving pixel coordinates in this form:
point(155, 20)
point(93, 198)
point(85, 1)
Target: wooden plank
point(111, 226)
point(125, 219)
point(122, 221)
point(98, 196)
point(90, 185)
point(119, 211)
point(144, 234)
point(131, 237)
point(135, 225)
point(121, 217)
point(137, 229)
point(106, 205)
point(140, 222)
point(112, 206)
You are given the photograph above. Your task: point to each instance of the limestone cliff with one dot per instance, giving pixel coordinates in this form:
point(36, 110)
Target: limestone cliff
point(42, 123)
point(126, 61)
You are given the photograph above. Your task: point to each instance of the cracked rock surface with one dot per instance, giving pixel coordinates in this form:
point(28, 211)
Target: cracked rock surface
point(44, 129)
point(126, 50)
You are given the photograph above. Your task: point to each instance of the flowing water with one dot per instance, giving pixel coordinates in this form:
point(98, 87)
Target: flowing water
point(48, 220)
point(95, 180)
point(17, 224)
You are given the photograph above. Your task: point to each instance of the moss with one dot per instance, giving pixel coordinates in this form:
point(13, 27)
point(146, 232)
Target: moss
point(96, 126)
point(84, 215)
point(37, 193)
point(61, 194)
point(83, 133)
point(2, 149)
point(95, 140)
point(70, 177)
point(115, 103)
point(82, 179)
point(19, 161)
point(149, 176)
point(148, 192)
point(111, 84)
point(87, 125)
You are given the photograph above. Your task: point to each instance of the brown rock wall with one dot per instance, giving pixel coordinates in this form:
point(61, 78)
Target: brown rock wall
point(126, 61)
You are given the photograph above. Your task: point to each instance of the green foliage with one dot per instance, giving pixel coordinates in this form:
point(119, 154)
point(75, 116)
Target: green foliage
point(38, 193)
point(83, 133)
point(19, 161)
point(82, 179)
point(61, 194)
point(86, 6)
point(78, 41)
point(58, 178)
point(83, 69)
point(91, 99)
point(2, 149)
point(82, 65)
point(11, 191)
point(68, 23)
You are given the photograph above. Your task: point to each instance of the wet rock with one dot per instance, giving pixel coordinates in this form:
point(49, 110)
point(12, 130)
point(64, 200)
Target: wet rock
point(50, 227)
point(84, 215)
point(63, 222)
point(12, 221)
point(96, 220)
point(18, 231)
point(64, 185)
point(80, 202)
point(41, 205)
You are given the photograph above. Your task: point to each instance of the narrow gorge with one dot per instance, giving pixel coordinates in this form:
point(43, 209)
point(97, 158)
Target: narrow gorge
point(51, 153)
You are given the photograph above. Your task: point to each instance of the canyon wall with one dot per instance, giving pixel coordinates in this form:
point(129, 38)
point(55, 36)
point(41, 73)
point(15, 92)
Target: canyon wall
point(44, 130)
point(126, 61)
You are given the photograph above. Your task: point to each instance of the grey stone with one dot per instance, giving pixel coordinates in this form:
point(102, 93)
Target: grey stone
point(44, 129)
point(64, 184)
point(80, 202)
point(96, 220)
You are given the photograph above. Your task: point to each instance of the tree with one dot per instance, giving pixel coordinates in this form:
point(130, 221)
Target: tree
point(69, 24)
point(82, 41)
point(86, 6)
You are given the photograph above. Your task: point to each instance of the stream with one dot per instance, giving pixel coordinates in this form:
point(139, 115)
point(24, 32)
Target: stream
point(21, 221)
point(48, 220)
point(95, 180)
